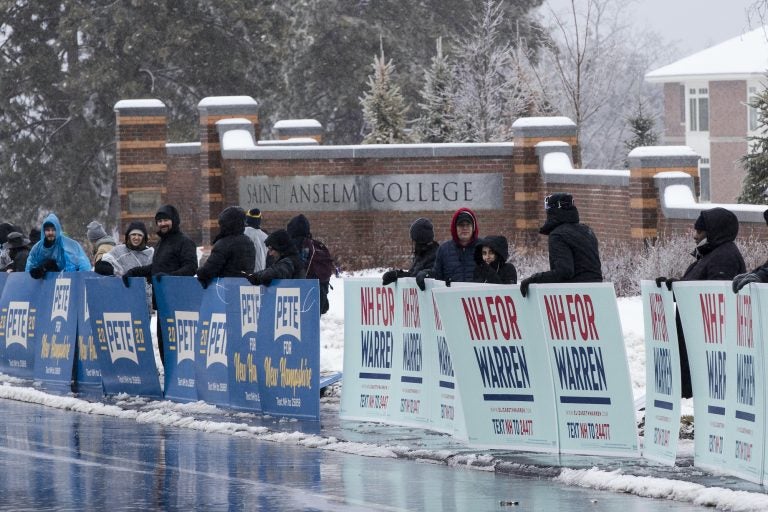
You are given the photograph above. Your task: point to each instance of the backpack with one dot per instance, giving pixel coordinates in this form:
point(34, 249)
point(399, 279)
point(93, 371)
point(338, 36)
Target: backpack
point(320, 265)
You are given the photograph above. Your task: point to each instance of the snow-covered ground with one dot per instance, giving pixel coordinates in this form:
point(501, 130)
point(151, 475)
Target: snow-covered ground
point(208, 418)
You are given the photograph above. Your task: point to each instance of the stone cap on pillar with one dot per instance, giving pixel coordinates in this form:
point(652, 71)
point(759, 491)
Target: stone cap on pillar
point(140, 107)
point(236, 133)
point(662, 157)
point(544, 127)
point(291, 128)
point(223, 105)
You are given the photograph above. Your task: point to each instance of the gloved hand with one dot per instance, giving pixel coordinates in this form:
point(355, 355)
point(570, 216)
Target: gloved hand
point(389, 277)
point(37, 272)
point(524, 284)
point(50, 266)
point(159, 275)
point(103, 268)
point(660, 280)
point(448, 282)
point(126, 281)
point(253, 279)
point(203, 282)
point(744, 280)
point(420, 277)
point(671, 280)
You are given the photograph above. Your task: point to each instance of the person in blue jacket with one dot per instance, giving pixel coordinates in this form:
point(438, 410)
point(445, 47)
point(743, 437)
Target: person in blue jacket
point(455, 259)
point(56, 252)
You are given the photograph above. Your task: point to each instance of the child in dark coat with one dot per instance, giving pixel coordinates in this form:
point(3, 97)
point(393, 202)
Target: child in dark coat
point(491, 264)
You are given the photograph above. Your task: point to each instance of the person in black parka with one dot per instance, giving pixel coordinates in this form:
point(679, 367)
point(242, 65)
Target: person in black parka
point(717, 258)
point(574, 256)
point(233, 252)
point(286, 263)
point(491, 264)
point(18, 249)
point(424, 251)
point(175, 255)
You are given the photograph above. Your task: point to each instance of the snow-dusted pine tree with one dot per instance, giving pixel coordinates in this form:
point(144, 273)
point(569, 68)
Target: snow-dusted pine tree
point(486, 100)
point(641, 125)
point(755, 162)
point(383, 105)
point(434, 125)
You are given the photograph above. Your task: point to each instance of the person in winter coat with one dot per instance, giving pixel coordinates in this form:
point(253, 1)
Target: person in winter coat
point(455, 259)
point(6, 229)
point(101, 243)
point(233, 253)
point(286, 261)
point(491, 264)
point(717, 258)
point(258, 236)
point(759, 275)
point(128, 255)
point(175, 255)
point(56, 252)
point(18, 250)
point(424, 251)
point(574, 256)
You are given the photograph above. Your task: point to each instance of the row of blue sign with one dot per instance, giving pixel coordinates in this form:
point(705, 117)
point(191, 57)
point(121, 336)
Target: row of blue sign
point(235, 345)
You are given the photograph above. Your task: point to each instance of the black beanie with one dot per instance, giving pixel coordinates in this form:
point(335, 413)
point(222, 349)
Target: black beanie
point(253, 218)
point(279, 241)
point(422, 231)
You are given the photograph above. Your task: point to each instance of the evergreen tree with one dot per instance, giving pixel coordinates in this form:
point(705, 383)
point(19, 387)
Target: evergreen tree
point(755, 162)
point(434, 125)
point(383, 105)
point(641, 124)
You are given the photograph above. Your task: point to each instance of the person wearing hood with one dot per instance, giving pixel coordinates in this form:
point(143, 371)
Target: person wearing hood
point(286, 263)
point(128, 255)
point(574, 256)
point(424, 251)
point(56, 252)
point(175, 255)
point(18, 250)
point(491, 264)
point(759, 275)
point(717, 258)
point(101, 243)
point(455, 259)
point(233, 253)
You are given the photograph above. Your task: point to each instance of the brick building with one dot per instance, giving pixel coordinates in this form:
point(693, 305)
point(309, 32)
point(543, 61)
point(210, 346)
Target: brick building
point(705, 108)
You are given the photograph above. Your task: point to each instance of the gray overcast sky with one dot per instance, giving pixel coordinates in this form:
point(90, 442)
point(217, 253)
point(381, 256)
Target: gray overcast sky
point(692, 25)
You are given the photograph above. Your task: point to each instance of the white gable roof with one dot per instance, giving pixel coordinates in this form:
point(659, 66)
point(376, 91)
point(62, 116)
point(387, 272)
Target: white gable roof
point(742, 57)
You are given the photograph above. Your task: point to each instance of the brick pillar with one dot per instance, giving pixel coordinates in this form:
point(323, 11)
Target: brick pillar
point(142, 132)
point(527, 183)
point(211, 110)
point(644, 164)
point(298, 129)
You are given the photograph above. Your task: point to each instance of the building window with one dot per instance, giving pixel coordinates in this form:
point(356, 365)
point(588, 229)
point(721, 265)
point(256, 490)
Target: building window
point(698, 109)
point(704, 181)
point(682, 104)
point(751, 111)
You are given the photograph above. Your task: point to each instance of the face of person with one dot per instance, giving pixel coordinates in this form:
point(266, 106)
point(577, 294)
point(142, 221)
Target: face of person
point(699, 235)
point(488, 255)
point(273, 253)
point(136, 239)
point(464, 230)
point(50, 233)
point(164, 225)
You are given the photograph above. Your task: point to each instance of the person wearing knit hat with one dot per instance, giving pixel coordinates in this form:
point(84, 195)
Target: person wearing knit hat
point(455, 259)
point(286, 263)
point(258, 236)
point(101, 243)
point(422, 235)
point(133, 252)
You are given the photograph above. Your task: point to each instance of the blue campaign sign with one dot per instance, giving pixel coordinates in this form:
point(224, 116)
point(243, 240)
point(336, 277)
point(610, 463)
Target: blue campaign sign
point(120, 319)
point(707, 311)
point(19, 313)
point(213, 354)
point(87, 368)
point(662, 374)
point(585, 344)
point(288, 352)
point(178, 307)
point(244, 306)
point(57, 331)
point(369, 339)
point(500, 360)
